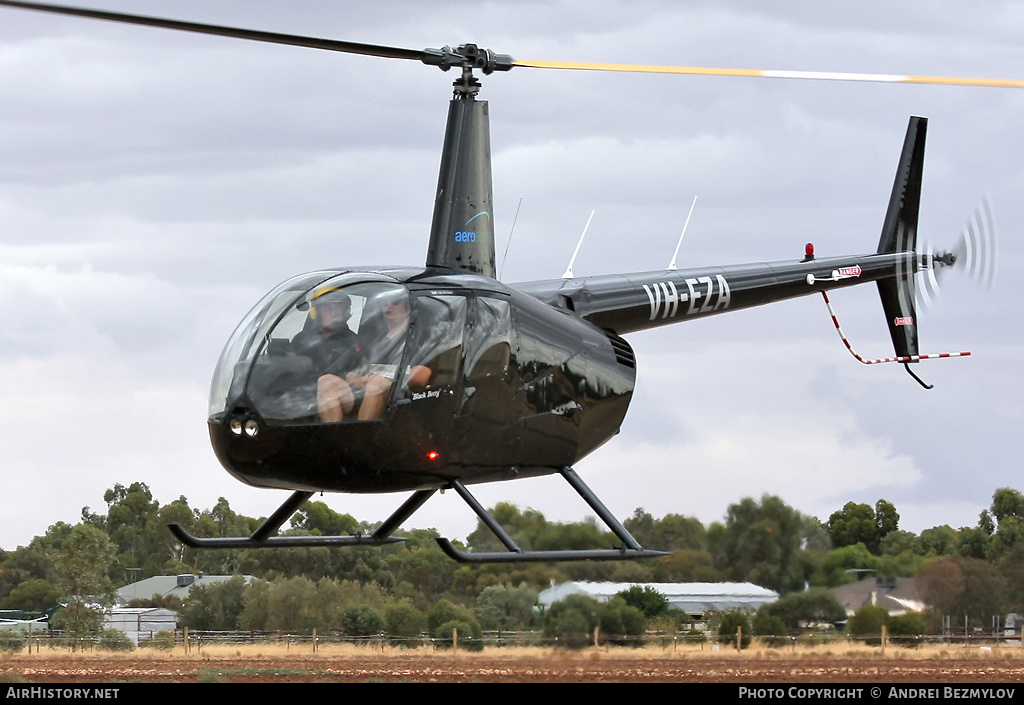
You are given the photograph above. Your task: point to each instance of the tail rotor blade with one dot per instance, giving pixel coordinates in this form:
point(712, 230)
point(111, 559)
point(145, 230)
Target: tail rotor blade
point(988, 228)
point(978, 244)
point(928, 291)
point(974, 254)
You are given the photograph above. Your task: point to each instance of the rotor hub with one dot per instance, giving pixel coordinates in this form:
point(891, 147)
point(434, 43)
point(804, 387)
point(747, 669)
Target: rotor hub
point(468, 56)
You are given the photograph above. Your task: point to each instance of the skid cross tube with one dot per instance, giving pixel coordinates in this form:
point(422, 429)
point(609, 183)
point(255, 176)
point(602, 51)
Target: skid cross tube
point(630, 549)
point(261, 538)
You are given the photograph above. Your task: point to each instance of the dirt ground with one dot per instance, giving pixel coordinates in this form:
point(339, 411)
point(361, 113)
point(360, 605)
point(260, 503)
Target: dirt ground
point(357, 665)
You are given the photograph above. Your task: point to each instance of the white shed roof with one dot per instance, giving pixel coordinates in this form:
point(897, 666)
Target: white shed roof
point(165, 585)
point(694, 598)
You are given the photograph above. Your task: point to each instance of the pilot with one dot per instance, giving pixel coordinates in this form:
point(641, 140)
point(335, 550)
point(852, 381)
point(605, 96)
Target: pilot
point(332, 346)
point(384, 356)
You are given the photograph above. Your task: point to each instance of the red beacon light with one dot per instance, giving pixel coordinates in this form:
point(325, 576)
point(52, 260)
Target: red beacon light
point(432, 455)
point(808, 252)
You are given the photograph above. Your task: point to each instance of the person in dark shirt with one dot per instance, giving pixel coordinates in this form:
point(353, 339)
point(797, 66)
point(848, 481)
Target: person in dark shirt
point(333, 348)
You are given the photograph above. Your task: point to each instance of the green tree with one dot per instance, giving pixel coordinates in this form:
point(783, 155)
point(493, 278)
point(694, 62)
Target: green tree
point(687, 566)
point(671, 532)
point(899, 541)
point(325, 608)
point(729, 624)
point(646, 599)
point(520, 525)
point(761, 543)
point(115, 640)
point(214, 606)
point(288, 600)
point(803, 609)
point(31, 596)
point(939, 541)
point(1012, 568)
point(1006, 503)
point(132, 524)
point(404, 623)
point(83, 563)
point(846, 565)
point(973, 542)
point(446, 615)
point(770, 629)
point(571, 622)
point(868, 621)
point(506, 607)
point(902, 554)
point(25, 563)
point(319, 519)
point(960, 587)
point(860, 523)
point(905, 565)
point(532, 532)
point(468, 633)
point(887, 519)
point(907, 629)
point(428, 569)
point(173, 552)
point(362, 621)
point(853, 524)
point(621, 623)
point(255, 606)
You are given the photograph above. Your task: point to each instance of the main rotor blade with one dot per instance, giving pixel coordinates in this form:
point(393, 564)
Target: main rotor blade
point(446, 57)
point(253, 35)
point(759, 73)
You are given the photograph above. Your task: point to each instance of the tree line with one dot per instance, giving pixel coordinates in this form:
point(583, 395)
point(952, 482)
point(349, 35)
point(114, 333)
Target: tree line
point(974, 571)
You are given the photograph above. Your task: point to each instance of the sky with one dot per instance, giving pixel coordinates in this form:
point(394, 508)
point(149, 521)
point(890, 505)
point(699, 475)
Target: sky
point(154, 185)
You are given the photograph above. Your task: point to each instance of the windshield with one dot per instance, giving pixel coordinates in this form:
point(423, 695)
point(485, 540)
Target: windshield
point(233, 365)
point(333, 355)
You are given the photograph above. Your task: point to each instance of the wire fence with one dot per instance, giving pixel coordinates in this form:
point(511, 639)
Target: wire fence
point(311, 642)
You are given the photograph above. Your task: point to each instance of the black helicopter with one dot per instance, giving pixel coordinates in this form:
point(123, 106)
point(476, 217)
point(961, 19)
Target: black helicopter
point(368, 380)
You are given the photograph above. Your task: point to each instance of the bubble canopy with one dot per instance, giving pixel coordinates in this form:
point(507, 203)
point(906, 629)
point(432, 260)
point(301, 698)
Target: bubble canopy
point(311, 332)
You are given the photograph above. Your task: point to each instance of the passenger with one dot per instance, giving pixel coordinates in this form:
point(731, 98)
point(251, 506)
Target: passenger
point(383, 357)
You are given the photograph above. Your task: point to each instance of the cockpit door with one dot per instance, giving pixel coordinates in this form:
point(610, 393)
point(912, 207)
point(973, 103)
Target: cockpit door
point(484, 423)
point(430, 385)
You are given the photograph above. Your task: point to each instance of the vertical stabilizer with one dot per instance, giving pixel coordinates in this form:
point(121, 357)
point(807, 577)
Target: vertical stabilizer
point(899, 235)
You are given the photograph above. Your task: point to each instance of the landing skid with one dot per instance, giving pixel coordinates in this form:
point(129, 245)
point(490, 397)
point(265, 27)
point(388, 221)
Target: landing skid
point(261, 537)
point(630, 548)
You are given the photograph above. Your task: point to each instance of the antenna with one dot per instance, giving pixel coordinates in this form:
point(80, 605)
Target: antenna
point(511, 230)
point(568, 270)
point(672, 264)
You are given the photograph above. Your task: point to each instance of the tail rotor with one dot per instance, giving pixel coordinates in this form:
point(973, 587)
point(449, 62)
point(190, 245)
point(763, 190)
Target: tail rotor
point(975, 254)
